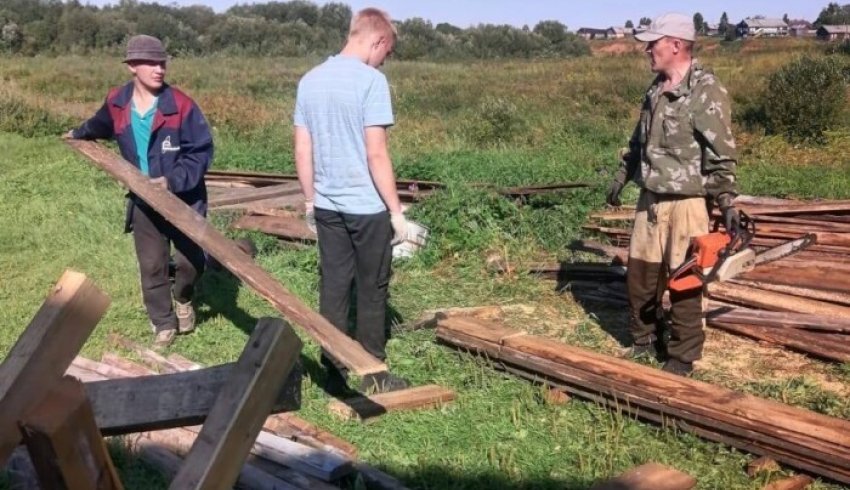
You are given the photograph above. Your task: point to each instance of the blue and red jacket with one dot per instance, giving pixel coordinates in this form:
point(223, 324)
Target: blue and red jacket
point(180, 149)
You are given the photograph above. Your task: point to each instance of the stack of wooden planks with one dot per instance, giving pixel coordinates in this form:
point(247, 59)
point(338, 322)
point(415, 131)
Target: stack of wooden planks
point(801, 302)
point(288, 453)
point(800, 438)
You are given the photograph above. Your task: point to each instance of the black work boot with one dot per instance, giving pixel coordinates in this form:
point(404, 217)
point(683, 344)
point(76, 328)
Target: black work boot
point(675, 366)
point(643, 348)
point(382, 383)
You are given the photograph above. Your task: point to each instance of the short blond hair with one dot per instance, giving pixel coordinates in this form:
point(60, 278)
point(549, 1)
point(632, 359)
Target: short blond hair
point(372, 20)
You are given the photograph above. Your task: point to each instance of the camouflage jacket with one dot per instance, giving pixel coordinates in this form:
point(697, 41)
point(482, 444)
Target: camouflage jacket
point(683, 143)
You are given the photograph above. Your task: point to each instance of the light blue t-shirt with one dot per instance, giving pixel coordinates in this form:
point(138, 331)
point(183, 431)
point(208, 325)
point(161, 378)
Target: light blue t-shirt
point(336, 102)
point(142, 124)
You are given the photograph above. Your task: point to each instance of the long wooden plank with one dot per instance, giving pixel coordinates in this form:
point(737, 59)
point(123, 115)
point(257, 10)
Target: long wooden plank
point(366, 407)
point(649, 476)
point(349, 352)
point(807, 342)
point(42, 354)
point(180, 439)
point(802, 292)
point(283, 227)
point(797, 482)
point(171, 400)
point(773, 301)
point(286, 425)
point(65, 444)
point(778, 319)
point(163, 449)
point(242, 405)
point(242, 196)
point(798, 437)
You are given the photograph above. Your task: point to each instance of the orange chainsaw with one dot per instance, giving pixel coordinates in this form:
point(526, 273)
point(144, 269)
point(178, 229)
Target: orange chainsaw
point(720, 256)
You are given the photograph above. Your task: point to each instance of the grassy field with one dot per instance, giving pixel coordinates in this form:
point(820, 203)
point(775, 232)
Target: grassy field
point(502, 123)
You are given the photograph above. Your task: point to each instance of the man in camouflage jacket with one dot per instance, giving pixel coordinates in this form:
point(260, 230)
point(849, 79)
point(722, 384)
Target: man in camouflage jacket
point(682, 155)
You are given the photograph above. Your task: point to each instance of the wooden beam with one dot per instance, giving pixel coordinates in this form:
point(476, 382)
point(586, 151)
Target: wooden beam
point(650, 476)
point(63, 440)
point(279, 226)
point(255, 474)
point(812, 343)
point(242, 196)
point(172, 400)
point(366, 407)
point(163, 449)
point(774, 301)
point(801, 438)
point(42, 354)
point(797, 482)
point(242, 405)
point(349, 352)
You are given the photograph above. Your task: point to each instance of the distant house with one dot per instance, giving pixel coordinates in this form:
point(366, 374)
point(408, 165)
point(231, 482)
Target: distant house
point(712, 29)
point(833, 33)
point(593, 33)
point(752, 27)
point(801, 30)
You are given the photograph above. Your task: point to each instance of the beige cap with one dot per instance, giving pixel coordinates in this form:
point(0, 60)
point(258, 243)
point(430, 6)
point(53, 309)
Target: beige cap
point(669, 25)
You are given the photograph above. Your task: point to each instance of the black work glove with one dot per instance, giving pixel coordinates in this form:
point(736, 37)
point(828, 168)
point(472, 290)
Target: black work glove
point(731, 218)
point(616, 187)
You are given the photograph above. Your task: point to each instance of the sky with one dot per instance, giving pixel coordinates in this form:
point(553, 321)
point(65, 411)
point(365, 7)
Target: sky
point(575, 14)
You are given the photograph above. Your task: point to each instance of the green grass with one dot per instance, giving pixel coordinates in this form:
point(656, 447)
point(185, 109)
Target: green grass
point(569, 120)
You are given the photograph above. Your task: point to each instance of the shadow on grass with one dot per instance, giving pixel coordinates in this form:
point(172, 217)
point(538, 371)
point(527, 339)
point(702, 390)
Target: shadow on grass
point(219, 289)
point(441, 478)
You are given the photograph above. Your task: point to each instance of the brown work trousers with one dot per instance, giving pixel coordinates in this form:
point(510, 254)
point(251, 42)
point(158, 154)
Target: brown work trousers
point(663, 228)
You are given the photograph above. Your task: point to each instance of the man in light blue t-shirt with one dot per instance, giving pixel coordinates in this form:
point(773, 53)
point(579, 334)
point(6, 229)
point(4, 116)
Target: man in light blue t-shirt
point(342, 112)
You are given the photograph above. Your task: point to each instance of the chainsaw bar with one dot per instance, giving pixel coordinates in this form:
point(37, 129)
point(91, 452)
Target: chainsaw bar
point(786, 249)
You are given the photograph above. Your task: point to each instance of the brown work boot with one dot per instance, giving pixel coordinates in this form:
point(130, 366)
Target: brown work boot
point(164, 338)
point(185, 316)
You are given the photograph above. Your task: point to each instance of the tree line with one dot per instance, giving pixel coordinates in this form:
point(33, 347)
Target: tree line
point(289, 28)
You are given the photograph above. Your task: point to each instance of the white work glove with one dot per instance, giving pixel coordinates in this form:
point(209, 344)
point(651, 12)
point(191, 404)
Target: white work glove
point(399, 223)
point(310, 216)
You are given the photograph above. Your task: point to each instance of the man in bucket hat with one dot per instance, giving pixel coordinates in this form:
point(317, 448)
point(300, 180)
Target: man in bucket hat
point(682, 155)
point(162, 132)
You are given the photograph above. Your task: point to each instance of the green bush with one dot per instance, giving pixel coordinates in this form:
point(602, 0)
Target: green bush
point(805, 98)
point(496, 121)
point(16, 116)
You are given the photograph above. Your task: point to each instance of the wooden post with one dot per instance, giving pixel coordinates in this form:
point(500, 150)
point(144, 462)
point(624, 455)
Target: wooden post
point(42, 354)
point(367, 407)
point(346, 350)
point(242, 406)
point(650, 476)
point(65, 445)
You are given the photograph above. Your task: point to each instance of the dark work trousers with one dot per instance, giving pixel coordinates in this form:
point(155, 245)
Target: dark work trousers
point(663, 228)
point(355, 249)
point(154, 236)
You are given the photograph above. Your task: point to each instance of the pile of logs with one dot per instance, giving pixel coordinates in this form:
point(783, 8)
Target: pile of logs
point(800, 438)
point(801, 302)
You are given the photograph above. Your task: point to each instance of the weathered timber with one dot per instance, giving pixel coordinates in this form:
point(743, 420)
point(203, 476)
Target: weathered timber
point(366, 407)
point(43, 352)
point(773, 301)
point(778, 319)
point(810, 343)
point(283, 227)
point(346, 350)
point(649, 476)
point(65, 445)
point(165, 401)
point(797, 482)
point(800, 438)
point(245, 195)
point(240, 408)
